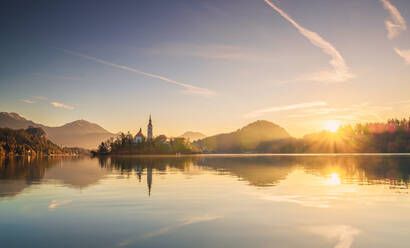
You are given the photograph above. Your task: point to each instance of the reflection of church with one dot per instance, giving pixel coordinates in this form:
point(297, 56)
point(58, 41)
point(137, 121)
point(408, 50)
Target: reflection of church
point(139, 170)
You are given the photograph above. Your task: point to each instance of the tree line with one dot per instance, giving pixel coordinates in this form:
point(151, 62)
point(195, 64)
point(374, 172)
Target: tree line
point(125, 144)
point(392, 136)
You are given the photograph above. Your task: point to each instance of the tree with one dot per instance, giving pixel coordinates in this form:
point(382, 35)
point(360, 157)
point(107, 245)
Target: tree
point(103, 148)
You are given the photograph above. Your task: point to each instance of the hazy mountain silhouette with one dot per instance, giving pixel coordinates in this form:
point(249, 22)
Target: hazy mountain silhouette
point(246, 139)
point(193, 135)
point(79, 133)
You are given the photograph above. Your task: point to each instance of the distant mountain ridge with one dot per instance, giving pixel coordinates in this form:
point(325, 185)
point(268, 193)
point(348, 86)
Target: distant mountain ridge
point(246, 139)
point(80, 133)
point(192, 136)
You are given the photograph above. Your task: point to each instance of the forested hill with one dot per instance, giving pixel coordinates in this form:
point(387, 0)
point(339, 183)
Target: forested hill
point(30, 141)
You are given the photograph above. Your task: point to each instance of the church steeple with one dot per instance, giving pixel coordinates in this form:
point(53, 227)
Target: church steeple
point(149, 131)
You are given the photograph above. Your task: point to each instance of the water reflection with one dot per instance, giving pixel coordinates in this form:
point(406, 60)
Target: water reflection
point(205, 201)
point(261, 171)
point(20, 172)
point(269, 171)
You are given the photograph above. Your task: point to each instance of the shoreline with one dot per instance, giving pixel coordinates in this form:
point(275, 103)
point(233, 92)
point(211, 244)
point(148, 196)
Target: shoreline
point(253, 155)
point(218, 155)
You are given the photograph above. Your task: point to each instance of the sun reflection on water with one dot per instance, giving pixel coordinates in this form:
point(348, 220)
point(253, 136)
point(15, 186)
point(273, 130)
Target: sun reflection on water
point(333, 179)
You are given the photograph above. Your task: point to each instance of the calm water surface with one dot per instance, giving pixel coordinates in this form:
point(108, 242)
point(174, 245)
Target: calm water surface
point(211, 201)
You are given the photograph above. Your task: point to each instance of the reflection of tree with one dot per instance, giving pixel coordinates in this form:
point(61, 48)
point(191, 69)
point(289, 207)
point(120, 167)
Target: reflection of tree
point(126, 164)
point(25, 168)
point(17, 173)
point(362, 169)
point(270, 170)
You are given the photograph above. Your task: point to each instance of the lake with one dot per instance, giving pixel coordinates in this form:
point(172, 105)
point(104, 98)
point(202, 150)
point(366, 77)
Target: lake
point(206, 201)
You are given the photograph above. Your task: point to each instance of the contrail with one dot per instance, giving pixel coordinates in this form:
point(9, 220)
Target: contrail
point(397, 24)
point(341, 71)
point(260, 112)
point(188, 88)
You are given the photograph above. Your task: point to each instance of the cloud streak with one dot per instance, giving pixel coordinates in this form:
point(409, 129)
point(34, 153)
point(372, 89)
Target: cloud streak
point(340, 70)
point(354, 112)
point(190, 89)
point(405, 54)
point(261, 112)
point(298, 199)
point(57, 203)
point(60, 105)
point(397, 22)
point(344, 234)
point(28, 101)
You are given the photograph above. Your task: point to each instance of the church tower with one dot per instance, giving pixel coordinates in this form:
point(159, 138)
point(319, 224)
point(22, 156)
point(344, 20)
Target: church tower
point(149, 133)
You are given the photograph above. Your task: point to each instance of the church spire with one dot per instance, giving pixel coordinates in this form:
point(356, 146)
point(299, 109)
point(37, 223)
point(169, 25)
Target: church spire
point(149, 130)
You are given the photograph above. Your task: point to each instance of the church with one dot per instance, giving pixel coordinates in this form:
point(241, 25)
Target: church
point(139, 137)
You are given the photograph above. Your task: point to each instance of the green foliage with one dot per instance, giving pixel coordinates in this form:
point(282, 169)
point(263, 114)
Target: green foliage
point(124, 144)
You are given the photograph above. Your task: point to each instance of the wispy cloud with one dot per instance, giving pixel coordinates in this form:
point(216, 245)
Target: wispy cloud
point(298, 199)
point(355, 112)
point(185, 222)
point(60, 105)
point(39, 97)
point(340, 70)
point(260, 112)
point(58, 203)
point(191, 89)
point(344, 234)
point(28, 101)
point(208, 51)
point(405, 54)
point(397, 22)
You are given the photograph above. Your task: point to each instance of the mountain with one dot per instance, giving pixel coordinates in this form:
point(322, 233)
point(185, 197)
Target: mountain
point(193, 135)
point(246, 139)
point(79, 133)
point(15, 121)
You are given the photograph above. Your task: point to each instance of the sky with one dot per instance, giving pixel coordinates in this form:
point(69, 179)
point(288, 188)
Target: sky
point(208, 66)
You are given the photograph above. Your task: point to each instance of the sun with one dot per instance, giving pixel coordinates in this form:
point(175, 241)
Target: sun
point(331, 125)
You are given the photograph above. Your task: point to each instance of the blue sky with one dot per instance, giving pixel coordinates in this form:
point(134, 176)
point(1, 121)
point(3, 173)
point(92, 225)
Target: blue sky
point(209, 66)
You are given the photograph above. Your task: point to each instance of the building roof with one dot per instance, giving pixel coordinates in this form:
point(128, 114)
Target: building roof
point(139, 134)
